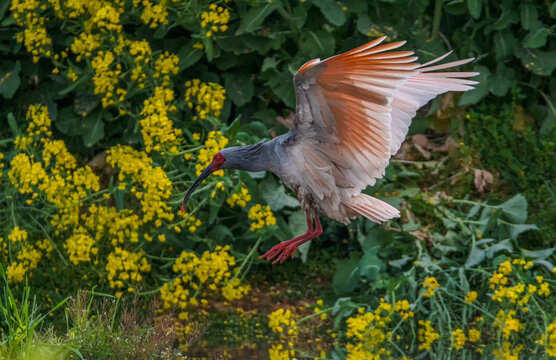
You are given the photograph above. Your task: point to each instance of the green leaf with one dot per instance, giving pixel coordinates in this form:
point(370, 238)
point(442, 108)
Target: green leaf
point(189, 55)
point(364, 23)
point(332, 11)
point(275, 195)
point(504, 245)
point(539, 62)
point(67, 120)
point(318, 44)
point(481, 90)
point(538, 254)
point(239, 88)
point(515, 209)
point(298, 17)
point(220, 232)
point(370, 266)
point(502, 80)
point(92, 129)
point(536, 38)
point(504, 44)
point(476, 256)
point(9, 80)
point(346, 277)
point(529, 15)
point(507, 18)
point(356, 6)
point(251, 20)
point(516, 229)
point(475, 7)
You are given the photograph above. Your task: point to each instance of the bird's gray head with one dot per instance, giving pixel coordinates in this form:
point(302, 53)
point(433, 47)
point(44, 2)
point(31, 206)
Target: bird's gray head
point(238, 157)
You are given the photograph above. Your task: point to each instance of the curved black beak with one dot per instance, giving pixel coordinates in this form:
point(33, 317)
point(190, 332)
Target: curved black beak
point(197, 182)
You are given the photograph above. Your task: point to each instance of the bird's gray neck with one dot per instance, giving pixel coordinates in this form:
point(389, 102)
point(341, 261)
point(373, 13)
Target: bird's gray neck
point(258, 157)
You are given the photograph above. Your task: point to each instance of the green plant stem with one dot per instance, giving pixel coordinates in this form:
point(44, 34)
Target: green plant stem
point(436, 20)
point(248, 257)
point(313, 315)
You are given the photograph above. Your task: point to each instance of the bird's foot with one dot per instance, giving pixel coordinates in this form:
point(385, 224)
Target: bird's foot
point(282, 249)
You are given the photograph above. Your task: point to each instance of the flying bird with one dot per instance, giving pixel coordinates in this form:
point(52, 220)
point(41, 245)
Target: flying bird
point(352, 114)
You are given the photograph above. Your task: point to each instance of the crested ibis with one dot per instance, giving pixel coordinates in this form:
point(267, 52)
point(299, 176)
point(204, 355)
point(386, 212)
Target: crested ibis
point(352, 114)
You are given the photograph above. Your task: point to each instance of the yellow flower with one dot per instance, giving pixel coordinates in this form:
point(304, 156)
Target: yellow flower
point(165, 66)
point(430, 284)
point(125, 267)
point(153, 15)
point(427, 335)
point(458, 338)
point(281, 322)
point(277, 352)
point(240, 198)
point(207, 99)
point(216, 19)
point(474, 335)
point(507, 353)
point(214, 143)
point(471, 297)
point(80, 246)
point(262, 216)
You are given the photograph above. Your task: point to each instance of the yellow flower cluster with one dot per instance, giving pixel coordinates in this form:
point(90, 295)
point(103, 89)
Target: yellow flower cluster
point(80, 246)
point(165, 66)
point(262, 216)
point(402, 307)
point(549, 339)
point(34, 35)
point(508, 323)
point(106, 78)
point(458, 338)
point(471, 297)
point(157, 129)
point(107, 18)
point(150, 184)
point(28, 255)
point(216, 19)
point(426, 335)
point(201, 276)
point(430, 284)
point(190, 221)
point(206, 98)
point(154, 14)
point(214, 143)
point(39, 126)
point(85, 45)
point(507, 352)
point(240, 198)
point(370, 331)
point(125, 268)
point(278, 352)
point(281, 322)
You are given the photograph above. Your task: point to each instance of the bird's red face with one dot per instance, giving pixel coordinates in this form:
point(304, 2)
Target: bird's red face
point(217, 161)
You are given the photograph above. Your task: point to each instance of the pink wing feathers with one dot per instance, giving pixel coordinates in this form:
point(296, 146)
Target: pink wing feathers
point(356, 107)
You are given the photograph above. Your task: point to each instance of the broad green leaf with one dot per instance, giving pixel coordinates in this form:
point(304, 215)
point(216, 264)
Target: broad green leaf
point(9, 80)
point(93, 129)
point(529, 15)
point(539, 62)
point(298, 16)
point(346, 277)
point(502, 80)
point(251, 20)
point(67, 120)
point(364, 23)
point(515, 209)
point(476, 256)
point(239, 88)
point(318, 44)
point(536, 37)
point(370, 266)
point(508, 17)
point(538, 254)
point(481, 90)
point(189, 55)
point(474, 7)
point(275, 195)
point(504, 43)
point(220, 232)
point(356, 6)
point(504, 245)
point(12, 123)
point(516, 229)
point(332, 11)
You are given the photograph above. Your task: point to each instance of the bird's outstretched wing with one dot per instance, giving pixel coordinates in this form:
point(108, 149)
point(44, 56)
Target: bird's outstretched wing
point(355, 108)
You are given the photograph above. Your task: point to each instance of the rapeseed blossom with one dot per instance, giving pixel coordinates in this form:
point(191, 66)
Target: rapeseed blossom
point(261, 216)
point(241, 198)
point(426, 334)
point(125, 268)
point(430, 284)
point(207, 99)
point(215, 20)
point(282, 322)
point(80, 246)
point(459, 338)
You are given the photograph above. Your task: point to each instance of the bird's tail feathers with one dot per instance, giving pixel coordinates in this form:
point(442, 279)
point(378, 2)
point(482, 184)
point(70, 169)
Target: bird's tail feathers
point(373, 209)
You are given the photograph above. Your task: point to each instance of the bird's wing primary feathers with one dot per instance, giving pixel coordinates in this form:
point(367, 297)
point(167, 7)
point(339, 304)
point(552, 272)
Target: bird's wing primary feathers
point(355, 108)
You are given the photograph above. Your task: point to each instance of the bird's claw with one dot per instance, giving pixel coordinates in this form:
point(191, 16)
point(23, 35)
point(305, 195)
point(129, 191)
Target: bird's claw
point(282, 250)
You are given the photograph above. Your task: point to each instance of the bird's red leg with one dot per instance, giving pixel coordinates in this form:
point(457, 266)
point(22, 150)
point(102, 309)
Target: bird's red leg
point(277, 249)
point(292, 247)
